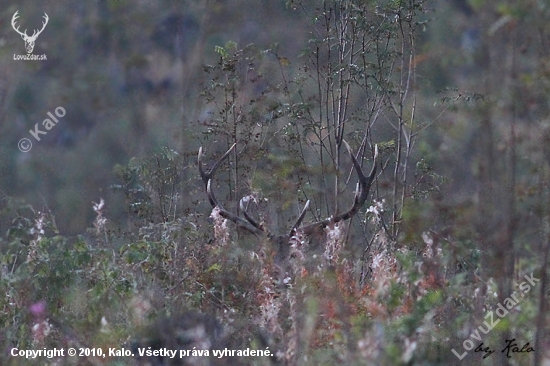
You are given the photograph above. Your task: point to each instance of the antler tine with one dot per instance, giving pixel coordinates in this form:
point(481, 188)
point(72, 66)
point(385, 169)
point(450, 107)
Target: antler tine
point(300, 219)
point(43, 26)
point(13, 21)
point(228, 215)
point(361, 193)
point(206, 176)
point(247, 216)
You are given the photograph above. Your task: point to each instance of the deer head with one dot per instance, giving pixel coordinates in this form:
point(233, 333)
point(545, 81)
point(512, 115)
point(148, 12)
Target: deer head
point(251, 225)
point(29, 40)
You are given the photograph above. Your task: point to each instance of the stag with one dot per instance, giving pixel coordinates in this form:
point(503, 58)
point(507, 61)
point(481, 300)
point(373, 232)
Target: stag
point(282, 242)
point(281, 272)
point(29, 40)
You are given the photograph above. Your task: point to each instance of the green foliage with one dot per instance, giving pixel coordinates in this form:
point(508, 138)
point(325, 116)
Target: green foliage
point(152, 186)
point(456, 212)
point(59, 273)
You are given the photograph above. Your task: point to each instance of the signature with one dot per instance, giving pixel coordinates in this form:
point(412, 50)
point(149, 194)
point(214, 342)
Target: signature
point(511, 347)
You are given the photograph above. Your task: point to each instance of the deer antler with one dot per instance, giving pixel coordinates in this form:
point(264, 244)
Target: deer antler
point(247, 224)
point(24, 34)
point(13, 20)
point(43, 26)
point(361, 194)
point(246, 215)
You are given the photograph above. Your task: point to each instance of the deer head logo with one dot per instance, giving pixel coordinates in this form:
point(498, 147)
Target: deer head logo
point(29, 40)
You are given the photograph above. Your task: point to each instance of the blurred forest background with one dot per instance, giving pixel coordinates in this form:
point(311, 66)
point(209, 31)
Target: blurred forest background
point(105, 222)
